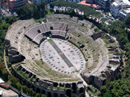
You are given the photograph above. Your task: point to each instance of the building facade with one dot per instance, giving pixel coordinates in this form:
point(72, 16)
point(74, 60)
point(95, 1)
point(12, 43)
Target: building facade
point(74, 1)
point(114, 9)
point(13, 4)
point(117, 6)
point(105, 4)
point(0, 10)
point(36, 1)
point(124, 13)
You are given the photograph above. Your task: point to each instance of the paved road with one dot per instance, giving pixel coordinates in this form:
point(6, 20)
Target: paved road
point(67, 61)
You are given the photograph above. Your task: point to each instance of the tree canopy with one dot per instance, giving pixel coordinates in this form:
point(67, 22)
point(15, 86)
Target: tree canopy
point(31, 11)
point(127, 21)
point(87, 10)
point(4, 24)
point(121, 86)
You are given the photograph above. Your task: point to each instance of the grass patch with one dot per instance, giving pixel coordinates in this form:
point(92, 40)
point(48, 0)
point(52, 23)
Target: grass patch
point(106, 41)
point(49, 12)
point(49, 39)
point(39, 20)
point(42, 69)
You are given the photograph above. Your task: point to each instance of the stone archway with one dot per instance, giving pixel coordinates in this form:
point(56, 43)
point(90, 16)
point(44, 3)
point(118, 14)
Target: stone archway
point(74, 87)
point(47, 34)
point(49, 94)
point(68, 93)
point(55, 95)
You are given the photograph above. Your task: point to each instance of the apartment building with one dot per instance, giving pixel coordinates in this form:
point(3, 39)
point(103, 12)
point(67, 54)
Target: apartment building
point(0, 10)
point(36, 1)
point(124, 13)
point(76, 1)
point(105, 4)
point(13, 4)
point(117, 6)
point(48, 1)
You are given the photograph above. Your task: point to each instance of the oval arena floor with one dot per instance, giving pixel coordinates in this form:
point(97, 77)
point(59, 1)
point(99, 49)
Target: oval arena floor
point(62, 56)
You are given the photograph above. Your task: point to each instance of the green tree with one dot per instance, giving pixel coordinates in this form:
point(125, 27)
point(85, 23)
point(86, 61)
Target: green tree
point(103, 89)
point(37, 95)
point(5, 74)
point(87, 10)
point(18, 85)
point(107, 94)
point(127, 46)
point(116, 26)
point(127, 21)
point(43, 95)
point(123, 38)
point(32, 11)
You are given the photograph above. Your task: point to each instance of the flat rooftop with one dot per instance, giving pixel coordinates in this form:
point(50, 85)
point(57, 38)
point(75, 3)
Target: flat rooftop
point(127, 10)
point(90, 5)
point(8, 93)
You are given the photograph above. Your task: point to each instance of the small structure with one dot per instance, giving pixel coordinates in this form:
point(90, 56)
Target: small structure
point(90, 3)
point(112, 48)
point(1, 93)
point(97, 35)
point(124, 13)
point(13, 4)
point(3, 84)
point(14, 55)
point(116, 8)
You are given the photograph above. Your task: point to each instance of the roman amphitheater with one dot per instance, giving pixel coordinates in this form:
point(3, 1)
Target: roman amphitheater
point(61, 55)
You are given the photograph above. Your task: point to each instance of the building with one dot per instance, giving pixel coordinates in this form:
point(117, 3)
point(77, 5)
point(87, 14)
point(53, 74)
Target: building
point(48, 1)
point(5, 90)
point(0, 10)
point(76, 1)
point(105, 4)
point(36, 1)
point(4, 4)
point(114, 9)
point(13, 4)
point(124, 13)
point(90, 3)
point(126, 1)
point(117, 6)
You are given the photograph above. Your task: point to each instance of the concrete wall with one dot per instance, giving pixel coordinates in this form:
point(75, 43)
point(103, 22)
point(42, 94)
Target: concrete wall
point(100, 81)
point(47, 87)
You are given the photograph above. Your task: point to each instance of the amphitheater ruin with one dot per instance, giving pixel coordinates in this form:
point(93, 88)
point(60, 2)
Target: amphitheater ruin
point(58, 55)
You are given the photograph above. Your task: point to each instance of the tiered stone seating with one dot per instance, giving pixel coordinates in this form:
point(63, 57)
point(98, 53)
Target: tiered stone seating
point(33, 32)
point(47, 25)
point(39, 38)
point(58, 33)
point(56, 28)
point(62, 24)
point(44, 27)
point(55, 32)
point(55, 25)
point(64, 27)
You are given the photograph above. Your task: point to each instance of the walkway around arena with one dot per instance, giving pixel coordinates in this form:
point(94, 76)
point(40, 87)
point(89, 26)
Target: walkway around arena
point(5, 62)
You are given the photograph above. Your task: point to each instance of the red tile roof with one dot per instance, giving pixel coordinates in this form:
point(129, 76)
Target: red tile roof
point(4, 85)
point(90, 5)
